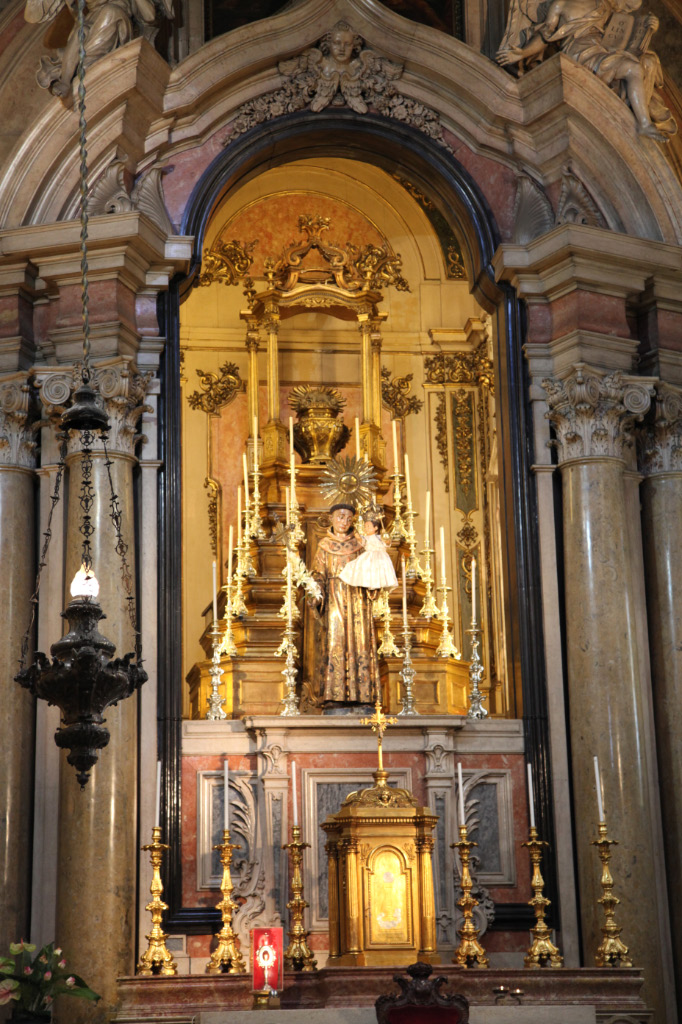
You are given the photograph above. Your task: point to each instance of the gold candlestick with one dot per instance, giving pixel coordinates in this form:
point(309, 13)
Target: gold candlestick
point(543, 952)
point(226, 958)
point(407, 674)
point(297, 955)
point(255, 523)
point(412, 566)
point(446, 648)
point(156, 959)
point(611, 952)
point(398, 531)
point(387, 647)
point(296, 530)
point(476, 671)
point(215, 701)
point(470, 952)
point(227, 645)
point(429, 608)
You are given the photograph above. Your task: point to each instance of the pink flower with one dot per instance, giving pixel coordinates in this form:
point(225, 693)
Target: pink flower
point(28, 970)
point(57, 951)
point(43, 959)
point(70, 981)
point(47, 975)
point(62, 963)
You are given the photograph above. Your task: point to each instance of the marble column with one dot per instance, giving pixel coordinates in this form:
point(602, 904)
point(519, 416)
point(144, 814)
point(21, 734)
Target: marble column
point(593, 416)
point(17, 711)
point(98, 842)
point(661, 462)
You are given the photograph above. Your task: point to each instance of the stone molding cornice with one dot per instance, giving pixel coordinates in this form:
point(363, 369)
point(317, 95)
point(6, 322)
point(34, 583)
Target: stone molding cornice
point(579, 256)
point(593, 413)
point(659, 441)
point(19, 411)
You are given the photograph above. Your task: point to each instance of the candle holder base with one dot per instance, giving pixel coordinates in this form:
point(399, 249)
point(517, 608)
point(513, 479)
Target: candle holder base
point(226, 958)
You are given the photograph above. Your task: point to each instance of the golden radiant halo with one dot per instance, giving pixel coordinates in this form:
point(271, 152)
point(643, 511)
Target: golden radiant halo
point(349, 479)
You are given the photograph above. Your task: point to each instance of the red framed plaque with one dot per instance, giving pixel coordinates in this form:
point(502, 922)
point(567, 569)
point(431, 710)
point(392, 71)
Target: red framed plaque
point(267, 959)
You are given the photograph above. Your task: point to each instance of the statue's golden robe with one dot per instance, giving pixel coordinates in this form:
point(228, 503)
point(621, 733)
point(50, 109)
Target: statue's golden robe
point(348, 662)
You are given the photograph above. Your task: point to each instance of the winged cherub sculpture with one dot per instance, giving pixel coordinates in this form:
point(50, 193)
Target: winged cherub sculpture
point(108, 25)
point(339, 70)
point(604, 36)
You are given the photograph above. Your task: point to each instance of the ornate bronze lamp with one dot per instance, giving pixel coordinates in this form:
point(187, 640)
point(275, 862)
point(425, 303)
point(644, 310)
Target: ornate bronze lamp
point(83, 678)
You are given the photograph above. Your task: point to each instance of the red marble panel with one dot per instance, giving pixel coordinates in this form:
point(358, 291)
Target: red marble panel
point(589, 311)
point(182, 175)
point(496, 181)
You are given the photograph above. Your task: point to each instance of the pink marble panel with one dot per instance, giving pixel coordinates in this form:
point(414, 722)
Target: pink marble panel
point(497, 182)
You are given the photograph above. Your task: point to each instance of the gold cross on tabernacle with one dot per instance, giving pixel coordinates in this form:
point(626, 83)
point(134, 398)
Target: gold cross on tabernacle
point(379, 721)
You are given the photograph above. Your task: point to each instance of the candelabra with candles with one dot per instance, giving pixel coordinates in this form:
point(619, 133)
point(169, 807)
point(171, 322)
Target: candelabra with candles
point(469, 952)
point(446, 648)
point(255, 522)
point(298, 955)
point(412, 566)
point(429, 608)
point(476, 670)
point(215, 710)
point(398, 528)
point(407, 672)
point(226, 957)
point(542, 952)
point(290, 701)
point(228, 646)
point(156, 959)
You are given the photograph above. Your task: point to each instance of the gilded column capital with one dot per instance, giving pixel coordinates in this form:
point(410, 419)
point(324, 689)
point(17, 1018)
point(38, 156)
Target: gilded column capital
point(593, 413)
point(19, 410)
point(660, 439)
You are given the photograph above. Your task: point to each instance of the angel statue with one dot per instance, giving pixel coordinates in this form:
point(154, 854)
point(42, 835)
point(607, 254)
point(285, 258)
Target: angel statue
point(605, 37)
point(339, 71)
point(108, 25)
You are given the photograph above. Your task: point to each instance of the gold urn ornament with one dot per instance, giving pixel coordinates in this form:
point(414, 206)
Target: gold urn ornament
point(319, 433)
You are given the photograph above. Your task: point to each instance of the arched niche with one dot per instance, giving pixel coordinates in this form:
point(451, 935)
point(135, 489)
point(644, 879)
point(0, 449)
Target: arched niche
point(371, 140)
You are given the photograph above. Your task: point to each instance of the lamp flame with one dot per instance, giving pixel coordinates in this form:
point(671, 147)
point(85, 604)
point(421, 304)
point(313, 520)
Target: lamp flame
point(84, 583)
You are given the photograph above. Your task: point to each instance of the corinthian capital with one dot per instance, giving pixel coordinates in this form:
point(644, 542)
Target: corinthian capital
point(593, 413)
point(660, 440)
point(18, 412)
point(123, 391)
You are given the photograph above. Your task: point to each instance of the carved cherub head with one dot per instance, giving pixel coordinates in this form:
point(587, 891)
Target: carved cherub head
point(342, 43)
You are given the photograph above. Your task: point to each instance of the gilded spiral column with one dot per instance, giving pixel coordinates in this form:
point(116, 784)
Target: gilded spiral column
point(661, 462)
point(98, 843)
point(593, 416)
point(17, 557)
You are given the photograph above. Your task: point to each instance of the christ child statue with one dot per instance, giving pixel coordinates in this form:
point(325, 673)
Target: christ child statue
point(373, 568)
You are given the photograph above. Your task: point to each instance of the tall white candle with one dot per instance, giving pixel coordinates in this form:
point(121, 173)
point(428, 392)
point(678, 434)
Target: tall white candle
point(442, 553)
point(462, 820)
point(255, 443)
point(226, 796)
point(157, 809)
point(293, 791)
point(291, 436)
point(246, 479)
point(531, 801)
point(597, 779)
point(402, 569)
point(292, 474)
point(288, 504)
point(215, 593)
point(230, 545)
point(427, 517)
point(396, 464)
point(239, 517)
point(473, 590)
point(407, 481)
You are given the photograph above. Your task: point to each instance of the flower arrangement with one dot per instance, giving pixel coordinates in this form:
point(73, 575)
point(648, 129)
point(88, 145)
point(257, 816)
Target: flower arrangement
point(34, 983)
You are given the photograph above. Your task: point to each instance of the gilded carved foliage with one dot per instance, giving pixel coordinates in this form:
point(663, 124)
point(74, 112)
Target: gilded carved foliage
point(441, 423)
point(460, 367)
point(395, 394)
point(660, 439)
point(213, 491)
point(227, 263)
point(340, 72)
point(593, 414)
point(217, 389)
point(18, 415)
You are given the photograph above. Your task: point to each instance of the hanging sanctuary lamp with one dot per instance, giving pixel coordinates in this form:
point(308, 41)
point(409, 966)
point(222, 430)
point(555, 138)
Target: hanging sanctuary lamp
point(83, 678)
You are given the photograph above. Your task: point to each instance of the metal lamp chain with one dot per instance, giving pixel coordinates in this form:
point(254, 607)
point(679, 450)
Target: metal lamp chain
point(83, 190)
point(47, 537)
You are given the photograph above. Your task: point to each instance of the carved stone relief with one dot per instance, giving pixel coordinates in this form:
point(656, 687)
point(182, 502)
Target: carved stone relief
point(123, 390)
point(593, 414)
point(533, 213)
point(660, 439)
point(576, 205)
point(340, 72)
point(19, 409)
point(111, 194)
